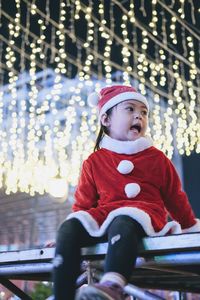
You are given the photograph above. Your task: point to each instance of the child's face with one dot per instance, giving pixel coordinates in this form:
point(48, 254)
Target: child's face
point(128, 120)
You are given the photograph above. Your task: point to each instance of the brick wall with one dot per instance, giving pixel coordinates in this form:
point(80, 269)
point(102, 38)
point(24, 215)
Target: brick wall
point(30, 221)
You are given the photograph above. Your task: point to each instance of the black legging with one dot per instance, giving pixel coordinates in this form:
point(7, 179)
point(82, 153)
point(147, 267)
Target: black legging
point(122, 235)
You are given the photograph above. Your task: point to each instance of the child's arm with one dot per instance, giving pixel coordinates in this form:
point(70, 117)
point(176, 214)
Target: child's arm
point(176, 200)
point(86, 195)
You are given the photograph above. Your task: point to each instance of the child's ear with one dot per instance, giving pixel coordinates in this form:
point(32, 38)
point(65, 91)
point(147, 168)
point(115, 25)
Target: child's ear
point(105, 120)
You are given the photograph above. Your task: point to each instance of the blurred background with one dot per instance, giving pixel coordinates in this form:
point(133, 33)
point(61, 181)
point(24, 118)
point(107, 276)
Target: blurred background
point(52, 55)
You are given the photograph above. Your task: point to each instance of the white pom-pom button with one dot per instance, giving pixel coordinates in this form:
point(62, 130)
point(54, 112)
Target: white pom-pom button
point(132, 190)
point(93, 99)
point(125, 167)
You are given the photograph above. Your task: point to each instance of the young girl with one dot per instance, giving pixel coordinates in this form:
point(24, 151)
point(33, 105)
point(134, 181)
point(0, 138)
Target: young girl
point(124, 192)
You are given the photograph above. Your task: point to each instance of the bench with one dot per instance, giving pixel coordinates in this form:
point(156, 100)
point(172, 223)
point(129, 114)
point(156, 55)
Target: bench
point(166, 263)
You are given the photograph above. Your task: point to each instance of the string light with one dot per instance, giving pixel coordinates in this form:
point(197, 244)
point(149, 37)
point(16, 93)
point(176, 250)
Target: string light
point(108, 46)
point(60, 58)
point(154, 20)
point(50, 133)
point(131, 12)
point(181, 9)
point(85, 70)
point(157, 127)
point(77, 10)
point(17, 19)
point(143, 63)
point(125, 51)
point(33, 7)
point(173, 30)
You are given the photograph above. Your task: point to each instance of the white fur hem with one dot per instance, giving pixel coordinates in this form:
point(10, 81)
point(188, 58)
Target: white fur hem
point(87, 221)
point(194, 228)
point(139, 215)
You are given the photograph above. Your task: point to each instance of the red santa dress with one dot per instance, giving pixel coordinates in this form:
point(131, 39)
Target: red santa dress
point(136, 179)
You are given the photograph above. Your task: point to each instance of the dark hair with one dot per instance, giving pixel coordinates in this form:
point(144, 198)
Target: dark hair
point(102, 131)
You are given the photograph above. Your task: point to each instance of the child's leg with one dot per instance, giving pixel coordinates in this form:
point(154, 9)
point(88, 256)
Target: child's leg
point(71, 237)
point(124, 235)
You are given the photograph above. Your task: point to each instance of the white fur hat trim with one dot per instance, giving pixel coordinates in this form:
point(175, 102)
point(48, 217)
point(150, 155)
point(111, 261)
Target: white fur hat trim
point(132, 190)
point(93, 99)
point(125, 166)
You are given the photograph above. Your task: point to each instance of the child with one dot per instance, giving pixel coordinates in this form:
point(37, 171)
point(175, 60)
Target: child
point(124, 192)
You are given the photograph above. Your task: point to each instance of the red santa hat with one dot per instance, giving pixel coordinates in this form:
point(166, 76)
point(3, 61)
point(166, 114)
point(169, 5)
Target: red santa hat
point(112, 95)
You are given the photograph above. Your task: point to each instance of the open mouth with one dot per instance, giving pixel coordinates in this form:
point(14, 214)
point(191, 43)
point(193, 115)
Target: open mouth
point(137, 127)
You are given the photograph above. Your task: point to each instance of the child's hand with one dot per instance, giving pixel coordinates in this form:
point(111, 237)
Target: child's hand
point(50, 244)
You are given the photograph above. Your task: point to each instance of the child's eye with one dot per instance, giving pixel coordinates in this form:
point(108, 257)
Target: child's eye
point(144, 112)
point(129, 108)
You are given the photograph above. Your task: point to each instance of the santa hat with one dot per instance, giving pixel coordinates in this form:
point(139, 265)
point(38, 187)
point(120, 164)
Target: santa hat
point(112, 95)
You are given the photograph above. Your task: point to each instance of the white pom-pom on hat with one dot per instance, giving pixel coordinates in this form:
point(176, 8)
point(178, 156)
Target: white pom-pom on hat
point(125, 166)
point(132, 190)
point(93, 99)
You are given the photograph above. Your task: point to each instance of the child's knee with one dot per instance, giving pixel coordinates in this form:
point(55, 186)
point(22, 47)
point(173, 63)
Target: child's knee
point(69, 226)
point(123, 222)
point(121, 228)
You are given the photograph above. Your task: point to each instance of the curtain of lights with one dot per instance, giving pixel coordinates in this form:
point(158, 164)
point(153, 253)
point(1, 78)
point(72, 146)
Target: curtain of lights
point(53, 53)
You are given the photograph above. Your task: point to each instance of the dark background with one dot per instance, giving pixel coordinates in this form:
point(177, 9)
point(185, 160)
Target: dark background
point(191, 173)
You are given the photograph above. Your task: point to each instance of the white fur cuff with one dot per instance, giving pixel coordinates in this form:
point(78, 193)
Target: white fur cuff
point(194, 228)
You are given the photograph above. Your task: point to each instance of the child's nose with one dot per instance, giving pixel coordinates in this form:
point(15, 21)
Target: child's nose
point(138, 115)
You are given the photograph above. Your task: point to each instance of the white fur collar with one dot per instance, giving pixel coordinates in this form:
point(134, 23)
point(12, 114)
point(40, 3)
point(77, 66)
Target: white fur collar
point(126, 147)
